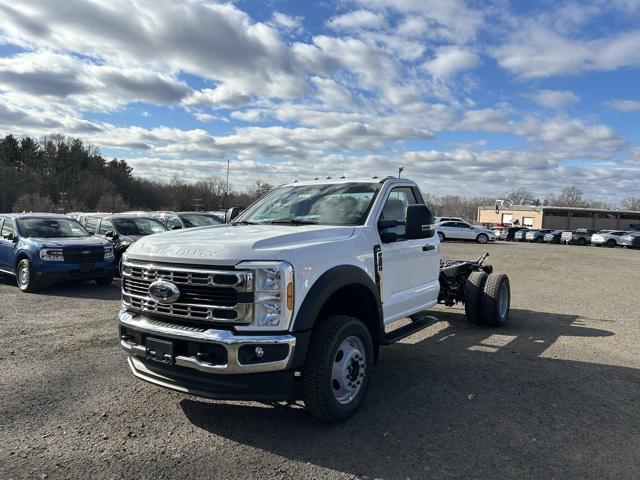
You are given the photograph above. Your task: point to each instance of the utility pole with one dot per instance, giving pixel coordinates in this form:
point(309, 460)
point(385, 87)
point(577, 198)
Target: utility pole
point(400, 170)
point(226, 190)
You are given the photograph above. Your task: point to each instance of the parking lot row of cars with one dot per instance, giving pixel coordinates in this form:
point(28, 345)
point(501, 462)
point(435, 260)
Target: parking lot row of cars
point(582, 236)
point(42, 248)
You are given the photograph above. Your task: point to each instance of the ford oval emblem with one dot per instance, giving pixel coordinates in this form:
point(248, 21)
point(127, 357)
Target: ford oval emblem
point(164, 292)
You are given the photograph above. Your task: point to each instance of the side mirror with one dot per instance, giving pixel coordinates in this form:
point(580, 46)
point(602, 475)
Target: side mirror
point(388, 237)
point(11, 237)
point(382, 224)
point(110, 234)
point(419, 222)
point(176, 227)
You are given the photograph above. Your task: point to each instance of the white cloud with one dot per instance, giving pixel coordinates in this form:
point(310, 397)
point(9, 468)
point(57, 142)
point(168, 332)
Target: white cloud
point(358, 19)
point(287, 22)
point(451, 60)
point(623, 105)
point(556, 99)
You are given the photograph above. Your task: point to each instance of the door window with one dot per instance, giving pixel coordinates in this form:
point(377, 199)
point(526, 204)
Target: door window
point(105, 226)
point(8, 228)
point(91, 224)
point(395, 208)
point(173, 222)
point(462, 225)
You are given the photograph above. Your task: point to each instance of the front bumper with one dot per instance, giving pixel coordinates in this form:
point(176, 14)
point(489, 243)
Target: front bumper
point(212, 363)
point(50, 272)
point(135, 328)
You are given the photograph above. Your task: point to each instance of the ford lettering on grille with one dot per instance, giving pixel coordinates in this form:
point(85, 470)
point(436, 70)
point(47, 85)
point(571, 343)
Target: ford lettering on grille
point(164, 292)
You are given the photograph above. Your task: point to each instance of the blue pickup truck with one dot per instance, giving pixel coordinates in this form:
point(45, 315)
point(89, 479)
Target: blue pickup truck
point(39, 249)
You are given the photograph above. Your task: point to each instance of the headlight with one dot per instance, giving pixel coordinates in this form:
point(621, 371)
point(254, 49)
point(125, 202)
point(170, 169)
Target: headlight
point(273, 299)
point(52, 254)
point(108, 252)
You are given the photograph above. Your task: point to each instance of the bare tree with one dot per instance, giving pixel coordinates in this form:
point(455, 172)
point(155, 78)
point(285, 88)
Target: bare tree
point(631, 203)
point(33, 202)
point(569, 197)
point(111, 203)
point(258, 190)
point(518, 196)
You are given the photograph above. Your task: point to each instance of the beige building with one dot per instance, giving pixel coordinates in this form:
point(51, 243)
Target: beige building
point(559, 218)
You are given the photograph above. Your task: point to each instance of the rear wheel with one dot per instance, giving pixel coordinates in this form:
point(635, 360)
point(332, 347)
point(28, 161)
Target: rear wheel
point(25, 277)
point(482, 238)
point(472, 294)
point(611, 243)
point(496, 300)
point(337, 369)
point(582, 242)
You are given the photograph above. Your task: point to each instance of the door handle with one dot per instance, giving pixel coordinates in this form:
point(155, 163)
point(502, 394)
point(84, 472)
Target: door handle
point(428, 248)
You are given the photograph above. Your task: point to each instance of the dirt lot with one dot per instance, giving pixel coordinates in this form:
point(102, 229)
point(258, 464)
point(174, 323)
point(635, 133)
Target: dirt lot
point(554, 395)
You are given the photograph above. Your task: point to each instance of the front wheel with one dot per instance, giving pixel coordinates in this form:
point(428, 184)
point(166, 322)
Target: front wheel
point(482, 238)
point(441, 236)
point(337, 369)
point(25, 278)
point(582, 242)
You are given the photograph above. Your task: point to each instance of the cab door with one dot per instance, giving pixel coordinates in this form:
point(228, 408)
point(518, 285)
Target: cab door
point(7, 246)
point(410, 268)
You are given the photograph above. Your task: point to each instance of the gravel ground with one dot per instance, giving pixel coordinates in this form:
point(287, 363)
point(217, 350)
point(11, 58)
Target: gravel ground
point(556, 394)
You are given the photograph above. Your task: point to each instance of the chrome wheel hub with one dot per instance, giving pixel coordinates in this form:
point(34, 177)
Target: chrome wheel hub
point(23, 276)
point(349, 369)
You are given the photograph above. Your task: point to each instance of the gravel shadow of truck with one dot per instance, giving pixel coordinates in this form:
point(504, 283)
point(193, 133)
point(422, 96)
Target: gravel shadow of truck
point(464, 402)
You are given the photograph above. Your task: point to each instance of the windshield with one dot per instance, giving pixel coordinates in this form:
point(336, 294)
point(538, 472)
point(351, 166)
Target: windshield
point(138, 226)
point(50, 228)
point(342, 204)
point(199, 219)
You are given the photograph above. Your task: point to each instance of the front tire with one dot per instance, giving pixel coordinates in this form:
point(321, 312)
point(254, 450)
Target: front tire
point(582, 242)
point(496, 300)
point(25, 278)
point(482, 239)
point(337, 369)
point(441, 236)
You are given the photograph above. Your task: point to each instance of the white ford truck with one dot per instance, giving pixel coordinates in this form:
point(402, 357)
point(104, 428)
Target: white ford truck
point(293, 300)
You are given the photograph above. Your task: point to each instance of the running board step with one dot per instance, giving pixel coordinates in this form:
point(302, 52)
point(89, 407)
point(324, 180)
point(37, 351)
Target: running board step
point(419, 322)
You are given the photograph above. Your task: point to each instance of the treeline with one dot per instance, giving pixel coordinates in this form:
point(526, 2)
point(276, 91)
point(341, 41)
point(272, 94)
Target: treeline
point(58, 174)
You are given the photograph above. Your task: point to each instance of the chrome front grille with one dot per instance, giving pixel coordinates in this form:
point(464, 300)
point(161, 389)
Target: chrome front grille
point(205, 295)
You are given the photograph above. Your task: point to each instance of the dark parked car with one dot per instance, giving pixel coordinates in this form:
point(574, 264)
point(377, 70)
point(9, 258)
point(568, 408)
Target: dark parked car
point(536, 235)
point(43, 248)
point(554, 236)
point(631, 240)
point(511, 232)
point(519, 235)
point(123, 229)
point(582, 236)
point(179, 220)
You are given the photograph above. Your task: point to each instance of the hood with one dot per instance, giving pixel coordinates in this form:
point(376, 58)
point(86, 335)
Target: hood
point(68, 242)
point(229, 244)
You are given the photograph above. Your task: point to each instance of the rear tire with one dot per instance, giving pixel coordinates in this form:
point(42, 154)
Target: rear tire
point(611, 243)
point(582, 242)
point(472, 295)
point(337, 369)
point(496, 300)
point(25, 278)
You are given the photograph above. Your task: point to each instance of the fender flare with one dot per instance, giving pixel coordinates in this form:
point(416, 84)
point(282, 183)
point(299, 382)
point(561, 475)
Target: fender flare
point(326, 285)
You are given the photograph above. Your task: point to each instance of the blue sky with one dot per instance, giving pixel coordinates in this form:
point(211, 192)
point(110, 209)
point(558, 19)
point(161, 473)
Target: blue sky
point(472, 98)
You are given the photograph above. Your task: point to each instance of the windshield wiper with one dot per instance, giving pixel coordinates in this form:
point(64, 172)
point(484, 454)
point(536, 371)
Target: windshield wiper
point(292, 221)
point(244, 222)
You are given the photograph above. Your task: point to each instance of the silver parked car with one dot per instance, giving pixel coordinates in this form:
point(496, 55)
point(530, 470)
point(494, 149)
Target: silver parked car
point(610, 238)
point(631, 240)
point(464, 231)
point(536, 235)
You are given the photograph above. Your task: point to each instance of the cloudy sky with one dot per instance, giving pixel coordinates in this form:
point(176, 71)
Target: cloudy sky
point(471, 97)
